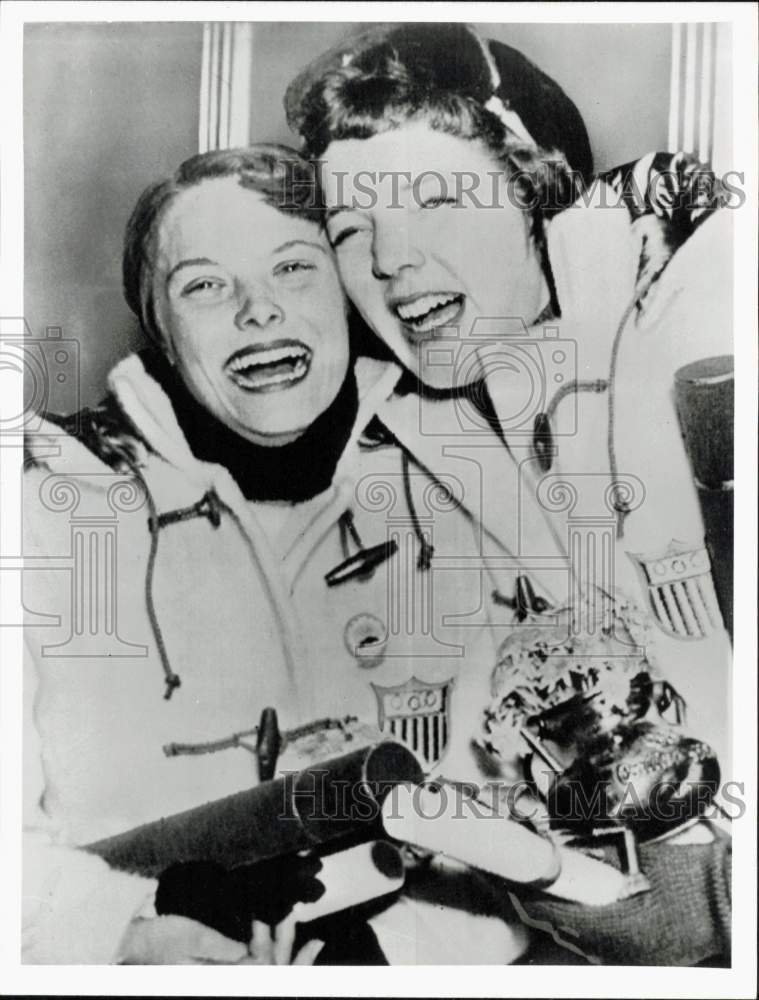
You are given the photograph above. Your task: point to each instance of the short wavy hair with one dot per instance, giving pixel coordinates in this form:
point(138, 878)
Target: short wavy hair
point(283, 178)
point(447, 76)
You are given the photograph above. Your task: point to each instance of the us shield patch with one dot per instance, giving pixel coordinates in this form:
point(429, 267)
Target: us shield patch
point(681, 592)
point(417, 714)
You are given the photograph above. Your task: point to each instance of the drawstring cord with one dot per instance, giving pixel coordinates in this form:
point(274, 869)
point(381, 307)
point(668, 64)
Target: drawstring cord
point(542, 434)
point(348, 527)
point(481, 526)
point(525, 601)
point(426, 550)
point(542, 437)
point(172, 680)
point(207, 506)
point(241, 739)
point(363, 563)
point(620, 505)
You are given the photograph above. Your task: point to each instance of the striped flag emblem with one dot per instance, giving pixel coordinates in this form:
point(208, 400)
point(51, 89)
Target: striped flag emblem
point(417, 714)
point(681, 591)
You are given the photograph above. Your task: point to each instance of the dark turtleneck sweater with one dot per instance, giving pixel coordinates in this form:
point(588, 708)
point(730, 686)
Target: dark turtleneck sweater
point(291, 472)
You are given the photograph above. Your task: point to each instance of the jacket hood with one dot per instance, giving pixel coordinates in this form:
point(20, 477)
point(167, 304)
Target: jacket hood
point(148, 424)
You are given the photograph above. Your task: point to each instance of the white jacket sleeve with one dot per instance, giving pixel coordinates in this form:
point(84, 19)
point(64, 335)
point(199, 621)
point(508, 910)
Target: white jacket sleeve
point(75, 909)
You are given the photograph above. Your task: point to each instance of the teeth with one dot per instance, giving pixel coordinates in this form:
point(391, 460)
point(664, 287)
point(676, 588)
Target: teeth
point(262, 369)
point(252, 379)
point(421, 306)
point(267, 357)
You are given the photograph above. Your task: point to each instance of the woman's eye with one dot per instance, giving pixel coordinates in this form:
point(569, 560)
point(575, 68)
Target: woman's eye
point(437, 202)
point(345, 234)
point(204, 287)
point(293, 267)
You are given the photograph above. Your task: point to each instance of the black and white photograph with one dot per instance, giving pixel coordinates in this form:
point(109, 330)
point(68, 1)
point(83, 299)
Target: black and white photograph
point(378, 535)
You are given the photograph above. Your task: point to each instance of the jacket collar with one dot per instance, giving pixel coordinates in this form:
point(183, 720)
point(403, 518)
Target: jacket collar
point(594, 260)
point(179, 479)
point(498, 494)
point(148, 407)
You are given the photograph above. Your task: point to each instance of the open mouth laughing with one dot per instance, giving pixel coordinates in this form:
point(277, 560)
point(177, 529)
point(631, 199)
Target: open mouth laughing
point(280, 364)
point(423, 314)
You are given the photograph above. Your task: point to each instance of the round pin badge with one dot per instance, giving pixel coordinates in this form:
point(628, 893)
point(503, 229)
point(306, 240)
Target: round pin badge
point(366, 639)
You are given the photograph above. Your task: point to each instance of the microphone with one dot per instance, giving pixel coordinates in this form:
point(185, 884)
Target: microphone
point(704, 395)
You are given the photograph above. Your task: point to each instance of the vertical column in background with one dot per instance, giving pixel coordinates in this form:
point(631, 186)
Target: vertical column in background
point(700, 93)
point(225, 86)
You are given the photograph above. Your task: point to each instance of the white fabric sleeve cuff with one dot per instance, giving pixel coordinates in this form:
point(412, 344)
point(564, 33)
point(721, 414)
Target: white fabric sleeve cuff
point(75, 908)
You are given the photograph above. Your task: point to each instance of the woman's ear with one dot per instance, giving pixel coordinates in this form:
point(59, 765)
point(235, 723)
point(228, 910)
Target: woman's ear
point(166, 345)
point(160, 337)
point(169, 351)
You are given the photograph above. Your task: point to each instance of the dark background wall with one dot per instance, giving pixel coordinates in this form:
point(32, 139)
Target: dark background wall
point(110, 107)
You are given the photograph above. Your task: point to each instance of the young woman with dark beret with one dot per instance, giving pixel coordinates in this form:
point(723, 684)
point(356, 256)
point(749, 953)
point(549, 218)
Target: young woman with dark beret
point(541, 314)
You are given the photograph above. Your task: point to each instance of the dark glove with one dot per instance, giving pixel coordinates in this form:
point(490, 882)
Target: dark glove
point(228, 900)
point(683, 920)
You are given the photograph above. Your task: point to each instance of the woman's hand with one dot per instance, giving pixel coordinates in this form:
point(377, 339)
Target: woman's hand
point(175, 940)
point(274, 946)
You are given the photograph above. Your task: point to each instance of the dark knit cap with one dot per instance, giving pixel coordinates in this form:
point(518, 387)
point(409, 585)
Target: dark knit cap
point(440, 59)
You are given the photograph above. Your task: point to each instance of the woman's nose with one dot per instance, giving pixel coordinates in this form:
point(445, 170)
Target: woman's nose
point(393, 249)
point(258, 308)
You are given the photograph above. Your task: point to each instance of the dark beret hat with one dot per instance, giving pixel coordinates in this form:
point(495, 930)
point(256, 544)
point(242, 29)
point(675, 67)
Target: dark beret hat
point(452, 58)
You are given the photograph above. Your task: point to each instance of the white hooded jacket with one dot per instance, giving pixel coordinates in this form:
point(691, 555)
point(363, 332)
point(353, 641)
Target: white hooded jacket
point(559, 524)
point(247, 620)
point(230, 595)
